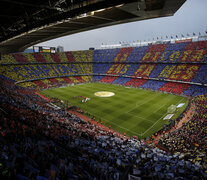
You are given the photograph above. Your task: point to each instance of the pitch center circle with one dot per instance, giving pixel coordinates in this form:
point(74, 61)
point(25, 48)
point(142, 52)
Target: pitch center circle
point(104, 94)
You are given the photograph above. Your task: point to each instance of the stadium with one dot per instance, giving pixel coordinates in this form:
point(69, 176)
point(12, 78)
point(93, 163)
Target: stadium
point(124, 111)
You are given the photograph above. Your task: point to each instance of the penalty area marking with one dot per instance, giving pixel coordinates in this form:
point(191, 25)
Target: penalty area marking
point(118, 125)
point(104, 94)
point(143, 133)
point(158, 120)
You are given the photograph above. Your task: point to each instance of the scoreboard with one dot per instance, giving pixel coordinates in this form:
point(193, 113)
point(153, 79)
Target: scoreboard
point(44, 49)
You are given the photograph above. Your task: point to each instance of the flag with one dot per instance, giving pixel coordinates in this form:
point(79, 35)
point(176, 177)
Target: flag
point(182, 35)
point(206, 32)
point(194, 34)
point(171, 37)
point(137, 40)
point(176, 36)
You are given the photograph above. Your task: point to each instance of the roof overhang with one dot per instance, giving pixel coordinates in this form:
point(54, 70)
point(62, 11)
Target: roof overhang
point(95, 15)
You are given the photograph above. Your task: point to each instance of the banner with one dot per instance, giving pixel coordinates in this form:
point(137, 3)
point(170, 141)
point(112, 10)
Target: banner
point(182, 41)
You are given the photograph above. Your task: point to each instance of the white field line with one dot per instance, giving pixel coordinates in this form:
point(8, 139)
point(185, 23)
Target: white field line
point(138, 105)
point(118, 125)
point(157, 121)
point(141, 134)
point(153, 125)
point(154, 112)
point(142, 118)
point(121, 126)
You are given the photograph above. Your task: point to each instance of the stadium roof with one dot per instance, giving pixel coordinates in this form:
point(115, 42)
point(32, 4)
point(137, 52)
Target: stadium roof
point(24, 23)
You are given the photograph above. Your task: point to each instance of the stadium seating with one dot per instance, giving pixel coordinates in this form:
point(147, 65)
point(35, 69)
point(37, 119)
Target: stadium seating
point(82, 56)
point(107, 55)
point(153, 53)
point(153, 85)
point(20, 58)
point(136, 82)
point(121, 80)
point(55, 58)
point(191, 138)
point(201, 75)
point(97, 78)
point(101, 68)
point(195, 90)
point(172, 52)
point(137, 53)
point(122, 62)
point(39, 57)
point(108, 79)
point(8, 59)
point(194, 52)
point(175, 88)
point(30, 57)
point(39, 142)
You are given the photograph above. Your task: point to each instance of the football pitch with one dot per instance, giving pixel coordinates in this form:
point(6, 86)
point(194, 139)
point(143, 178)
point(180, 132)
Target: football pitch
point(136, 112)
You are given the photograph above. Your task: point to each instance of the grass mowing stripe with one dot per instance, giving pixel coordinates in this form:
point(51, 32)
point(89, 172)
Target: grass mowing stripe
point(145, 107)
point(110, 122)
point(159, 120)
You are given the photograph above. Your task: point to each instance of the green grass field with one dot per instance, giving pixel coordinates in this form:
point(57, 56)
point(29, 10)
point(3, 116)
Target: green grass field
point(133, 111)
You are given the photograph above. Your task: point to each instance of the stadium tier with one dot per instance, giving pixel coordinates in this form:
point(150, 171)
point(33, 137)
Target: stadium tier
point(40, 140)
point(168, 64)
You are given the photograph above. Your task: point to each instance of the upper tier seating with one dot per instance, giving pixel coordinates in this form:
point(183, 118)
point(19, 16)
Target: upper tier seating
point(180, 52)
point(169, 63)
point(107, 55)
point(137, 53)
point(172, 52)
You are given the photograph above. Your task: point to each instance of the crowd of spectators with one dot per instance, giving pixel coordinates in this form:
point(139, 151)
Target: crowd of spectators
point(46, 68)
point(195, 90)
point(104, 55)
point(137, 54)
point(181, 52)
point(27, 58)
point(175, 88)
point(33, 136)
point(39, 141)
point(191, 138)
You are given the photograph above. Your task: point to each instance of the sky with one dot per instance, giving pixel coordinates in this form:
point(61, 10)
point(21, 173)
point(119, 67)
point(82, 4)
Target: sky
point(190, 18)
